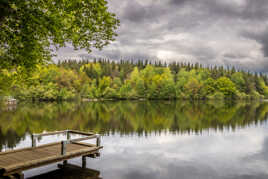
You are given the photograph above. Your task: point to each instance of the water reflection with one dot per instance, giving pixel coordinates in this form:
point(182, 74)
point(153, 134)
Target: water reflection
point(70, 171)
point(210, 155)
point(159, 139)
point(128, 117)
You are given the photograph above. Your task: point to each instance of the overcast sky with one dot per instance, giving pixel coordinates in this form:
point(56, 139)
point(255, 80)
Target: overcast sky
point(222, 32)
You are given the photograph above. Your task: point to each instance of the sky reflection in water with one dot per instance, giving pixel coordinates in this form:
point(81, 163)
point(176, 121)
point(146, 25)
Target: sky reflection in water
point(239, 154)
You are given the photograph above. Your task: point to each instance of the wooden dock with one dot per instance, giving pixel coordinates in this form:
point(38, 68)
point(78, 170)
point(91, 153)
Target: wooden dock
point(14, 162)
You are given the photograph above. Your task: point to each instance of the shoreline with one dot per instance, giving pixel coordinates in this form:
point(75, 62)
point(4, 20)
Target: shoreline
point(16, 101)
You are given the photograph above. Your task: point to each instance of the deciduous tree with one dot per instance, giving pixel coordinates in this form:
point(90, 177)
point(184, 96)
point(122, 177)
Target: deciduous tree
point(31, 29)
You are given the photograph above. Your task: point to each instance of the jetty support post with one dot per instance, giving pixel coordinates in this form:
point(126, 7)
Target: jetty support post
point(63, 150)
point(19, 175)
point(84, 162)
point(98, 143)
point(63, 147)
point(68, 134)
point(98, 140)
point(33, 141)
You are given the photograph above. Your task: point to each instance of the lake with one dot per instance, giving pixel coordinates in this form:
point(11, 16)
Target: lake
point(150, 139)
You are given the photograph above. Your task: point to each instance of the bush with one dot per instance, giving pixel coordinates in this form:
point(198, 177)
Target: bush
point(255, 95)
point(217, 95)
point(241, 95)
point(110, 93)
point(226, 86)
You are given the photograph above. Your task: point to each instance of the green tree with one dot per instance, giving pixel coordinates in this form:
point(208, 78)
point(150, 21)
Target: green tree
point(192, 88)
point(29, 28)
point(182, 79)
point(137, 82)
point(208, 87)
point(104, 83)
point(239, 81)
point(166, 85)
point(226, 86)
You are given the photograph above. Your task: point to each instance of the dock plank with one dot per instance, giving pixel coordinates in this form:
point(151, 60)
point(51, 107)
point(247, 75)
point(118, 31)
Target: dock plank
point(19, 160)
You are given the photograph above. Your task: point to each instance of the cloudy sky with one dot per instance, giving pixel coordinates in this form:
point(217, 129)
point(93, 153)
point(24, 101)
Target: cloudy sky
point(222, 32)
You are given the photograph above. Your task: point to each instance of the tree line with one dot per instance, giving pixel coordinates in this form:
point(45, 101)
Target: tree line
point(106, 79)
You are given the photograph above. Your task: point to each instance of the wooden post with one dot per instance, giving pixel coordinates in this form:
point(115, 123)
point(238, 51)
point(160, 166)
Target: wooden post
point(68, 138)
point(19, 175)
point(63, 147)
point(98, 141)
point(84, 162)
point(68, 135)
point(64, 162)
point(33, 141)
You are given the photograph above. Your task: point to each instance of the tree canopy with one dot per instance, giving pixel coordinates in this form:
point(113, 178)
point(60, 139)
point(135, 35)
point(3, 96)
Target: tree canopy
point(105, 79)
point(31, 29)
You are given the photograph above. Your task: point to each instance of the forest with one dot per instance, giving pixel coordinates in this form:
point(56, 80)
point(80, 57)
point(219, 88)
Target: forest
point(119, 80)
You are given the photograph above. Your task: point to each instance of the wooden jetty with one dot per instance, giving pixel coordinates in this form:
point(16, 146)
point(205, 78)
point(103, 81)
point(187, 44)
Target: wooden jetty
point(14, 162)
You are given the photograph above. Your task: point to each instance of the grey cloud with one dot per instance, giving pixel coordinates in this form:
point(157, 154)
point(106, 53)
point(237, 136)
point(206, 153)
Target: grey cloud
point(134, 12)
point(181, 3)
point(244, 9)
point(229, 32)
point(256, 10)
point(261, 37)
point(233, 55)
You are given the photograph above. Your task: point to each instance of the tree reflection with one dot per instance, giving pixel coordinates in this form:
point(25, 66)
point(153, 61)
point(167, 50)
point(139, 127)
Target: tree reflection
point(128, 117)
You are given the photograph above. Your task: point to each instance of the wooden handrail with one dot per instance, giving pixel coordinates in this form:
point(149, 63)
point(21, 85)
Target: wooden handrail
point(84, 138)
point(34, 136)
point(81, 133)
point(49, 133)
point(64, 143)
point(64, 131)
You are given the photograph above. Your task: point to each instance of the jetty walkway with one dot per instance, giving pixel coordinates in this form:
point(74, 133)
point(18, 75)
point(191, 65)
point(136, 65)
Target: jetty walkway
point(14, 162)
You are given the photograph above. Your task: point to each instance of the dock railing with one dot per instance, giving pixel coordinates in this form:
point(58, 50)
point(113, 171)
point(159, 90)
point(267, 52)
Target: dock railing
point(64, 143)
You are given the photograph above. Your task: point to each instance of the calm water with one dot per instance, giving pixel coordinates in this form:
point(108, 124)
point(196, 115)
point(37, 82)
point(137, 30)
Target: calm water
point(150, 140)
